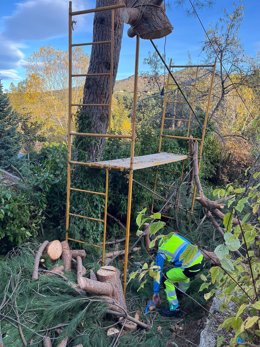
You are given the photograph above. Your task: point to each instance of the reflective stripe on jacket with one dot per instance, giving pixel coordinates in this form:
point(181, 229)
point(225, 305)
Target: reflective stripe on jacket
point(173, 247)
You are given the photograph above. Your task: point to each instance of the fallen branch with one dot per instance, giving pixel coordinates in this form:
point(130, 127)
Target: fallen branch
point(47, 341)
point(63, 343)
point(78, 252)
point(210, 205)
point(132, 319)
point(122, 252)
point(37, 259)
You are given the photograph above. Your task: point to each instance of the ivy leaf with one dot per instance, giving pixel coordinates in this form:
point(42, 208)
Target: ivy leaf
point(145, 266)
point(250, 321)
point(203, 278)
point(232, 242)
point(155, 227)
point(221, 251)
point(227, 264)
point(188, 254)
point(132, 276)
point(227, 221)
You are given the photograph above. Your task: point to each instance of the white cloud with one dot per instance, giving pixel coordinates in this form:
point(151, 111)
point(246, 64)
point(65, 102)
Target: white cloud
point(39, 20)
point(33, 20)
point(9, 74)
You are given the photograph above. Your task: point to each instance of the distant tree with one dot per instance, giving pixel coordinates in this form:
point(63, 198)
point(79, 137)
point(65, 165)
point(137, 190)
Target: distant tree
point(9, 136)
point(44, 93)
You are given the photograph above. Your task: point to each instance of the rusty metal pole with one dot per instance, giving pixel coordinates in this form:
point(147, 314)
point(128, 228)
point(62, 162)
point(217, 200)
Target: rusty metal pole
point(131, 172)
point(105, 219)
point(69, 123)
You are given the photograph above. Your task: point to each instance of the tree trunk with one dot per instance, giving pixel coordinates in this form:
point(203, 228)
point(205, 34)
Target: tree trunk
point(96, 89)
point(148, 20)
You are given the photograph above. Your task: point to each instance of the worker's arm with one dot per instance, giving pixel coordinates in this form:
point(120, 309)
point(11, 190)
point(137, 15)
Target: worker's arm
point(159, 261)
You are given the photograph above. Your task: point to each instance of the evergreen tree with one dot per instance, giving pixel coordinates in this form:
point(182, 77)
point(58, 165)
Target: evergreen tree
point(9, 136)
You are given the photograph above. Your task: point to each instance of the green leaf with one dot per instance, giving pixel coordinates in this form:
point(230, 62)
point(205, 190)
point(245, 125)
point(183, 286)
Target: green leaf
point(256, 305)
point(207, 296)
point(227, 221)
point(145, 266)
point(203, 278)
point(132, 276)
point(241, 310)
point(139, 233)
point(156, 226)
point(232, 242)
point(241, 204)
point(221, 251)
point(239, 190)
point(256, 174)
point(215, 271)
point(204, 286)
point(250, 321)
point(227, 264)
point(156, 215)
point(188, 254)
point(139, 218)
point(220, 340)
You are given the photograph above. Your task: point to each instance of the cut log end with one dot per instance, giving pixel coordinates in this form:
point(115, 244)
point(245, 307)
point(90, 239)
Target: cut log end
point(54, 250)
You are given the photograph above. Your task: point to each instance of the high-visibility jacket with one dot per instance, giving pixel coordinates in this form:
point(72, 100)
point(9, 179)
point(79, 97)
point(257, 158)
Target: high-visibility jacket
point(171, 250)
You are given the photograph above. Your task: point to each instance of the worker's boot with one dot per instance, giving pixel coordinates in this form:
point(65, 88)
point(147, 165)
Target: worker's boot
point(172, 311)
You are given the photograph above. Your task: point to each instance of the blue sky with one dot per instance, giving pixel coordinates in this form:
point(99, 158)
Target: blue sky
point(26, 25)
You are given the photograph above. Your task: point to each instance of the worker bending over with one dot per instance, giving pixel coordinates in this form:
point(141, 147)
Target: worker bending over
point(170, 251)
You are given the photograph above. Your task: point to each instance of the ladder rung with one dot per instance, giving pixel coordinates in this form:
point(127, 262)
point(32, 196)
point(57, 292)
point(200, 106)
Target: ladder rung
point(87, 191)
point(104, 105)
point(90, 43)
point(186, 66)
point(85, 217)
point(97, 9)
point(91, 74)
point(181, 137)
point(79, 241)
point(114, 136)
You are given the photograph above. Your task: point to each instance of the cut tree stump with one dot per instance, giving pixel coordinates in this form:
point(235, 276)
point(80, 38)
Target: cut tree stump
point(66, 255)
point(54, 250)
point(147, 19)
point(92, 286)
point(110, 274)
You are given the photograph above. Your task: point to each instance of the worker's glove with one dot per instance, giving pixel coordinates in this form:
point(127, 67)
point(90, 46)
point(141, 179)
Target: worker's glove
point(156, 299)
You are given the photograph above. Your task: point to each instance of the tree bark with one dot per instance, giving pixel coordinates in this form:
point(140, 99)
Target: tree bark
point(66, 255)
point(91, 286)
point(47, 341)
point(78, 252)
point(63, 343)
point(148, 20)
point(96, 89)
point(35, 274)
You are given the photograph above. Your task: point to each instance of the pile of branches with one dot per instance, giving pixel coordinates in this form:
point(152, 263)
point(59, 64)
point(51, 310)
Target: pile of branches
point(47, 300)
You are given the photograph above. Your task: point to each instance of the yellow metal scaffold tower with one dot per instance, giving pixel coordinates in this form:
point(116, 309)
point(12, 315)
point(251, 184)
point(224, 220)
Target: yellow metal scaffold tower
point(128, 165)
